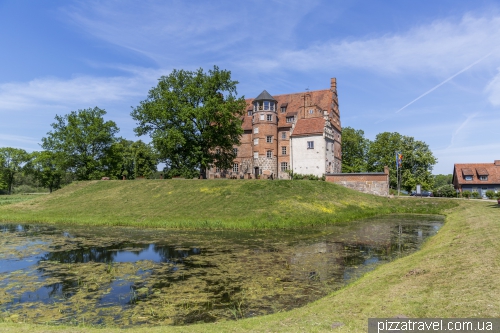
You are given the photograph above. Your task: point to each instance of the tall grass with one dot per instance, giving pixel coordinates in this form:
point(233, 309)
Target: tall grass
point(210, 204)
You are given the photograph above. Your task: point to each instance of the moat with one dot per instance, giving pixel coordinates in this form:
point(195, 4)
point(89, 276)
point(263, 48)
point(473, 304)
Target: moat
point(125, 277)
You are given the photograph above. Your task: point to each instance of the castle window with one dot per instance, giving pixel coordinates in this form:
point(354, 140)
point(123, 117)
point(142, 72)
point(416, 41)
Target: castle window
point(283, 150)
point(289, 119)
point(249, 113)
point(256, 130)
point(235, 167)
point(269, 139)
point(255, 141)
point(284, 166)
point(311, 111)
point(269, 117)
point(255, 154)
point(235, 151)
point(266, 105)
point(261, 117)
point(283, 135)
point(217, 169)
point(310, 144)
point(269, 154)
point(283, 109)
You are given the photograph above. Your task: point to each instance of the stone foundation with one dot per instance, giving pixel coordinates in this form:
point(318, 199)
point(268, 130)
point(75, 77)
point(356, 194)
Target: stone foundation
point(372, 182)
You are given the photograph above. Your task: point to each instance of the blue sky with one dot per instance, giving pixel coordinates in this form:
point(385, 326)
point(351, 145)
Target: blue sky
point(427, 69)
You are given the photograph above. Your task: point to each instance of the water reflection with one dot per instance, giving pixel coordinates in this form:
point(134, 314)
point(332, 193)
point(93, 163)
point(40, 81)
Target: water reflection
point(185, 277)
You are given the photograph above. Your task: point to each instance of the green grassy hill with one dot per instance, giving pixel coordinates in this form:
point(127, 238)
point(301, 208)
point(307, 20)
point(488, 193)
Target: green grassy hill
point(238, 204)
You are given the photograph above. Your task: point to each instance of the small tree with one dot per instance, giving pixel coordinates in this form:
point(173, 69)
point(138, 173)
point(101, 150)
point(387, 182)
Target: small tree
point(445, 191)
point(466, 194)
point(145, 160)
point(12, 162)
point(490, 194)
point(46, 168)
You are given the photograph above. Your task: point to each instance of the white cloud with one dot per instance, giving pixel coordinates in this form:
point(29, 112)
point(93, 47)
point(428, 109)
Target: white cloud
point(441, 47)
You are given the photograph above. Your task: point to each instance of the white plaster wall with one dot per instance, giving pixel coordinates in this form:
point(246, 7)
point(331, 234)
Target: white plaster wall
point(308, 161)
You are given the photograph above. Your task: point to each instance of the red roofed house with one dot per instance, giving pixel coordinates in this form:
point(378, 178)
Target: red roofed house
point(298, 131)
point(477, 177)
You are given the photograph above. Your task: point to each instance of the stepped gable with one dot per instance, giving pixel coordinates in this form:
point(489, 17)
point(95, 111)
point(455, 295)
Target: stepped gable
point(309, 126)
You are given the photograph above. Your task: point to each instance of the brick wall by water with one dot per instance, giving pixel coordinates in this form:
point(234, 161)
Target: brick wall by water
point(373, 183)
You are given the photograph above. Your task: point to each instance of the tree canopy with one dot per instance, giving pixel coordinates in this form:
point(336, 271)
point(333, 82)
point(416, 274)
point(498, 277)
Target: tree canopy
point(417, 162)
point(354, 150)
point(45, 166)
point(85, 140)
point(12, 161)
point(194, 119)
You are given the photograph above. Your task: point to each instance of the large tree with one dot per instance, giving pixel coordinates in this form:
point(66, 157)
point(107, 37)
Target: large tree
point(12, 161)
point(85, 140)
point(354, 150)
point(193, 118)
point(417, 162)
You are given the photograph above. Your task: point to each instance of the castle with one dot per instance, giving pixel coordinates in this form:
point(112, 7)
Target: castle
point(297, 132)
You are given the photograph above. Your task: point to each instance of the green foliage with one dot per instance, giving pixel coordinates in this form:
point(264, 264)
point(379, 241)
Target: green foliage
point(145, 159)
point(497, 195)
point(46, 168)
point(466, 194)
point(490, 194)
point(441, 180)
point(417, 162)
point(85, 141)
point(12, 162)
point(447, 191)
point(354, 150)
point(475, 195)
point(194, 119)
point(298, 176)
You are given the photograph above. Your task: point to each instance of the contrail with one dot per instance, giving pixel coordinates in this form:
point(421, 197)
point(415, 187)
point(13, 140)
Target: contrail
point(448, 79)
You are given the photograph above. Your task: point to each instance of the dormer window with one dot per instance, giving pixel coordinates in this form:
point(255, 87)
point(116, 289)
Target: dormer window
point(283, 109)
point(289, 119)
point(483, 177)
point(468, 177)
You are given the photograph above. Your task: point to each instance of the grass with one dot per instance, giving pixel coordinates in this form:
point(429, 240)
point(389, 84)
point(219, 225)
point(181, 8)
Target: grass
point(15, 198)
point(454, 275)
point(218, 204)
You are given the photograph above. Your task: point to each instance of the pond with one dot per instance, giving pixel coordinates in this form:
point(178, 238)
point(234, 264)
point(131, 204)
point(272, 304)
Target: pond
point(126, 277)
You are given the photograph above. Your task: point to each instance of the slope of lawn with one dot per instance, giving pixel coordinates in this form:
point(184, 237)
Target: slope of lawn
point(238, 204)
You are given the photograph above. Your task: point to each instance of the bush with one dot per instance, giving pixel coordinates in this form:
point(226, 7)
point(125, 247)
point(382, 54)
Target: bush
point(466, 194)
point(490, 194)
point(298, 176)
point(475, 195)
point(24, 189)
point(447, 191)
point(497, 195)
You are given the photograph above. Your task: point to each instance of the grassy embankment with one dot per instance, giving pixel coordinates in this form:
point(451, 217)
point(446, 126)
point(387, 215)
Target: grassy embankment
point(454, 275)
point(217, 204)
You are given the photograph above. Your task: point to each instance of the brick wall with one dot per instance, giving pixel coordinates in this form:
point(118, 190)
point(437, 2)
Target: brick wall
point(373, 183)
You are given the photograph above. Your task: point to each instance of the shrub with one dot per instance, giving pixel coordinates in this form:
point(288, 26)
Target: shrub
point(475, 195)
point(447, 191)
point(298, 176)
point(466, 194)
point(490, 194)
point(497, 195)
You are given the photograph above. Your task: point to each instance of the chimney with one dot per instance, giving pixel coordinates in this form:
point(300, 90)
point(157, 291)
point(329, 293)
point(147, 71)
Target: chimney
point(333, 84)
point(497, 162)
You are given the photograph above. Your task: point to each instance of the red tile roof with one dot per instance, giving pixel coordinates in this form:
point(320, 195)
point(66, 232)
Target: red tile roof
point(319, 99)
point(476, 169)
point(309, 126)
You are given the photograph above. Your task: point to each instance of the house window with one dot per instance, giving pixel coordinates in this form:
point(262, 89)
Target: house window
point(283, 109)
point(283, 135)
point(283, 150)
point(483, 177)
point(256, 130)
point(289, 119)
point(255, 154)
point(269, 117)
point(261, 117)
point(249, 113)
point(255, 141)
point(269, 154)
point(284, 166)
point(235, 167)
point(269, 139)
point(310, 144)
point(468, 177)
point(235, 151)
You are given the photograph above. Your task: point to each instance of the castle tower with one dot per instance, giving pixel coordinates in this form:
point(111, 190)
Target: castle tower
point(264, 135)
